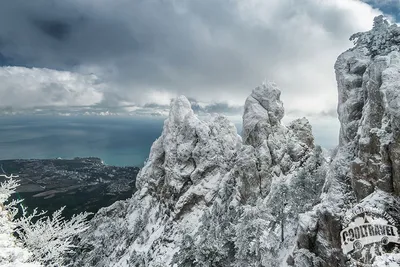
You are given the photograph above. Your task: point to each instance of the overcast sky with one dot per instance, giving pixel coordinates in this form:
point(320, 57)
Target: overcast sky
point(122, 52)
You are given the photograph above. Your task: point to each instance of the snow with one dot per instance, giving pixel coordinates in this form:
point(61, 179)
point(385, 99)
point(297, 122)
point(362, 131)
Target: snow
point(207, 197)
point(200, 182)
point(387, 260)
point(12, 254)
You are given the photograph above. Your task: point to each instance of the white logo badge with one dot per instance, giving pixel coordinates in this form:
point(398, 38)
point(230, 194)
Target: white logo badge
point(368, 233)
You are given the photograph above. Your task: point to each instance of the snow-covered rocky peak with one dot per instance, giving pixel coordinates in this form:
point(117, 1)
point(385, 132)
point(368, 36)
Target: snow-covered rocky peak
point(179, 109)
point(369, 108)
point(187, 148)
point(263, 112)
point(382, 39)
point(203, 196)
point(278, 149)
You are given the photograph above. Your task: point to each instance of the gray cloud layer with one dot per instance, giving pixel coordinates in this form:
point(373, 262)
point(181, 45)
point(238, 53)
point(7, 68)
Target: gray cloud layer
point(147, 51)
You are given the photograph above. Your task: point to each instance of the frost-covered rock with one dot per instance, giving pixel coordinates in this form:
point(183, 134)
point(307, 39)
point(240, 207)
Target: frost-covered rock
point(369, 108)
point(206, 199)
point(387, 260)
point(187, 168)
point(366, 166)
point(263, 112)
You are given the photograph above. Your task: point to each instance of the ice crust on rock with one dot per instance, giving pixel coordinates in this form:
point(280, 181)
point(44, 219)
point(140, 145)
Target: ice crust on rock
point(207, 198)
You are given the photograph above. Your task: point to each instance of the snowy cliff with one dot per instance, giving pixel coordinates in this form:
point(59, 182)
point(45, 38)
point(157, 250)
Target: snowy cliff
point(205, 198)
point(208, 197)
point(365, 170)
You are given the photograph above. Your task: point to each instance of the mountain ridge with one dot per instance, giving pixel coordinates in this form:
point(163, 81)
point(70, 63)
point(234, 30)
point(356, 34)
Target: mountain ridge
point(207, 197)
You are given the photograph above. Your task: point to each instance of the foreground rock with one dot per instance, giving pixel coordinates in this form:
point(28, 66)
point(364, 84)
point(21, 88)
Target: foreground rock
point(365, 170)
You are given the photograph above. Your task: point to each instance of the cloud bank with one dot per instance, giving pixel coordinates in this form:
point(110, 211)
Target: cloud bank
point(111, 53)
point(23, 88)
point(208, 50)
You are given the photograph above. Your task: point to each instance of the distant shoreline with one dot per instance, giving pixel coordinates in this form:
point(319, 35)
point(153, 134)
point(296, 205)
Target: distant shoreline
point(80, 184)
point(99, 160)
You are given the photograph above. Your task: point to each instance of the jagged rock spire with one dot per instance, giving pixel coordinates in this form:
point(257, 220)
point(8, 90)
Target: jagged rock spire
point(263, 110)
point(207, 199)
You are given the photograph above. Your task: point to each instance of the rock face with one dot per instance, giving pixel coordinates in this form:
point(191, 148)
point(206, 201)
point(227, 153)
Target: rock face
point(204, 195)
point(365, 169)
point(369, 108)
point(207, 198)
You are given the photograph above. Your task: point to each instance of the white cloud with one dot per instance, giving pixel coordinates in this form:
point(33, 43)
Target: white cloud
point(24, 87)
point(210, 50)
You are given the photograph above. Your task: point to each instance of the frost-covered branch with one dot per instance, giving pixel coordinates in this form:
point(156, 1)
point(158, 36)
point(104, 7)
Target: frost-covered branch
point(54, 231)
point(8, 187)
point(47, 238)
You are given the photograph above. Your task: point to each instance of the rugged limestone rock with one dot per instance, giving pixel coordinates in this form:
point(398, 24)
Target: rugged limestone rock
point(187, 168)
point(205, 198)
point(366, 165)
point(369, 104)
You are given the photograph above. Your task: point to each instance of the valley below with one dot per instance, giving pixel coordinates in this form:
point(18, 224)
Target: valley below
point(79, 184)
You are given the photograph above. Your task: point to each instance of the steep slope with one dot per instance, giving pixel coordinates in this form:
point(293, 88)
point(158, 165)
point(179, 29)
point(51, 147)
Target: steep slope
point(206, 199)
point(187, 167)
point(365, 170)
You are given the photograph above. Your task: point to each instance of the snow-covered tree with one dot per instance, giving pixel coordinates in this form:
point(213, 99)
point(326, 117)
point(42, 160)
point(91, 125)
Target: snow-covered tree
point(44, 239)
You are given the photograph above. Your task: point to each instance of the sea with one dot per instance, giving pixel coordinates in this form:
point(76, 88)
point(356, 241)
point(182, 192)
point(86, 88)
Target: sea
point(117, 140)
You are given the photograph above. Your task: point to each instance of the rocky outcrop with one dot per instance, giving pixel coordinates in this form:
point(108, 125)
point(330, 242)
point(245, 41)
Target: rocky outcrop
point(204, 196)
point(187, 168)
point(365, 169)
point(369, 102)
point(207, 198)
point(278, 150)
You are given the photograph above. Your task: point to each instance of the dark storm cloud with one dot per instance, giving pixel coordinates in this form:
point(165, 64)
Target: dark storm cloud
point(3, 60)
point(211, 50)
point(60, 34)
point(56, 29)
